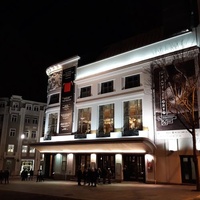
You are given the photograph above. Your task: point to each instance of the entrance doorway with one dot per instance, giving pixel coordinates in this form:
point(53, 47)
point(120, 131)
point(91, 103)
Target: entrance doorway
point(134, 167)
point(83, 161)
point(106, 161)
point(187, 169)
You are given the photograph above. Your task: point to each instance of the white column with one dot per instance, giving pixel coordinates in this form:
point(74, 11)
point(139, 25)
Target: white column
point(118, 167)
point(93, 160)
point(70, 164)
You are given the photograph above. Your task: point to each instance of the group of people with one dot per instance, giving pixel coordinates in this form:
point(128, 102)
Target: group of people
point(4, 176)
point(27, 175)
point(92, 176)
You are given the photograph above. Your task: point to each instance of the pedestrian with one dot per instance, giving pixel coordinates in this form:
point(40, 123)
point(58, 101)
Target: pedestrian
point(6, 176)
point(99, 175)
point(94, 177)
point(31, 174)
point(79, 176)
point(85, 174)
point(39, 175)
point(109, 174)
point(1, 176)
point(89, 176)
point(104, 175)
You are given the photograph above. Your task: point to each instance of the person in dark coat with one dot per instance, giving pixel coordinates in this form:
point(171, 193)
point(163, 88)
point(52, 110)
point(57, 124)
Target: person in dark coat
point(79, 176)
point(1, 176)
point(104, 175)
point(6, 176)
point(94, 177)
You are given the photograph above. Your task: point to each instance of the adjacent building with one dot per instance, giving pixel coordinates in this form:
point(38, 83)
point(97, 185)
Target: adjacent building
point(112, 113)
point(21, 124)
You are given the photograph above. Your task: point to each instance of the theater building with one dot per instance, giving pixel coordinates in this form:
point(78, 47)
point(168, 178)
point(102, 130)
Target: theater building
point(111, 113)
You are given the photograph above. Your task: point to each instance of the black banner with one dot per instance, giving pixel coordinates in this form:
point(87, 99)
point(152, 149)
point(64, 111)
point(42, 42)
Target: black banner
point(67, 101)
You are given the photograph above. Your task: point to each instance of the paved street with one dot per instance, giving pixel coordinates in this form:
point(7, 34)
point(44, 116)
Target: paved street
point(69, 190)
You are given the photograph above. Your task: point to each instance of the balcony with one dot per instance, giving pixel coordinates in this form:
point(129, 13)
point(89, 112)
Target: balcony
point(9, 154)
point(130, 132)
point(102, 134)
point(80, 135)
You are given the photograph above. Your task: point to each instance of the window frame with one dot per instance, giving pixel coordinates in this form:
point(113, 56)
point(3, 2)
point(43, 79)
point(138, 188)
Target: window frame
point(12, 132)
point(107, 87)
point(86, 93)
point(135, 81)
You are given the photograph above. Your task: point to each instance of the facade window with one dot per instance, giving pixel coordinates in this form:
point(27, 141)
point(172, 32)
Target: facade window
point(85, 92)
point(28, 107)
point(35, 108)
point(1, 118)
point(13, 118)
point(106, 87)
point(24, 148)
point(15, 105)
point(35, 121)
point(106, 118)
point(32, 150)
point(2, 104)
point(132, 81)
point(84, 120)
point(27, 120)
point(12, 132)
point(133, 115)
point(26, 134)
point(11, 148)
point(33, 134)
point(54, 99)
point(53, 120)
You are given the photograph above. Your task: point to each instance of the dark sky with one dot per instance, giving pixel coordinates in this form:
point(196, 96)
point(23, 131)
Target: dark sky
point(36, 34)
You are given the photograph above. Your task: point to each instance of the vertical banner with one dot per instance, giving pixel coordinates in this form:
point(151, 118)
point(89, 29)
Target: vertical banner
point(170, 89)
point(67, 101)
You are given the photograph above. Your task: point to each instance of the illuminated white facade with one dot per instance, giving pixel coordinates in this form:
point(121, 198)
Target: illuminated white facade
point(103, 104)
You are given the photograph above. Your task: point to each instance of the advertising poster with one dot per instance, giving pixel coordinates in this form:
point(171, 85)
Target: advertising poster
point(67, 101)
point(170, 87)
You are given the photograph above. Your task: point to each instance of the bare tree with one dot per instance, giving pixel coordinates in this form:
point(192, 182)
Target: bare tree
point(179, 93)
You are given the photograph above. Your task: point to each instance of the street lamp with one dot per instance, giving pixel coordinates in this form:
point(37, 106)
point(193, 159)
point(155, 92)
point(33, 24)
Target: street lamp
point(22, 136)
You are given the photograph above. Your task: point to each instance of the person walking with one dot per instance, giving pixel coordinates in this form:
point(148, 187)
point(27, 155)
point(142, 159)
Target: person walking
point(104, 175)
point(6, 176)
point(79, 176)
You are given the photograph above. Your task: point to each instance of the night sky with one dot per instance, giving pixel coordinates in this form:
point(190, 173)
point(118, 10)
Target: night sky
point(36, 34)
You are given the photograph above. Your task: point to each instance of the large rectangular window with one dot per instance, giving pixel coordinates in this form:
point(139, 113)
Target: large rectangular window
point(10, 148)
point(132, 81)
point(52, 126)
point(54, 99)
point(33, 134)
point(32, 150)
point(106, 118)
point(35, 120)
point(13, 118)
point(133, 115)
point(84, 120)
point(106, 87)
point(85, 92)
point(12, 132)
point(24, 148)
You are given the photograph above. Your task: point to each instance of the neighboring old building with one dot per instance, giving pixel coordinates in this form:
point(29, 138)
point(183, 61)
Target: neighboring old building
point(21, 124)
point(108, 114)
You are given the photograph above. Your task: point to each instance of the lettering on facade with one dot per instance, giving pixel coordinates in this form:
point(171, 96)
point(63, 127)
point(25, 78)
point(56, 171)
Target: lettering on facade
point(165, 118)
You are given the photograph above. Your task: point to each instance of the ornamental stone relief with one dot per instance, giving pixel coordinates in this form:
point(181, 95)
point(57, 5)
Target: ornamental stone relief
point(54, 81)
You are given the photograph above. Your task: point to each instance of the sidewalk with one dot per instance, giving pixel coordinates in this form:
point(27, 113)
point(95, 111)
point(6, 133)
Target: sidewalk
point(114, 191)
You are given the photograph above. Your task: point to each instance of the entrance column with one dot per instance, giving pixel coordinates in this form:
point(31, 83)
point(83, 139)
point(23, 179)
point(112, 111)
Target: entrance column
point(93, 160)
point(70, 165)
point(118, 168)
